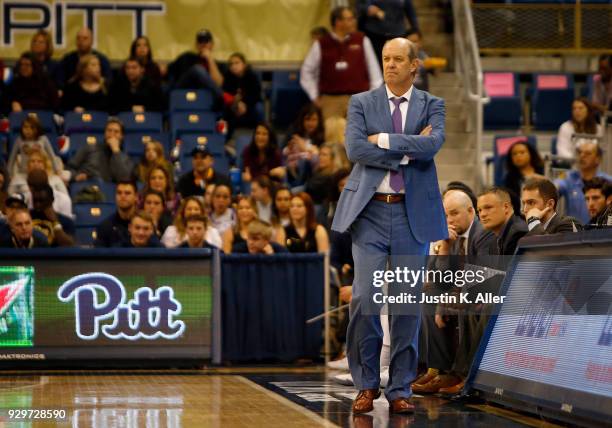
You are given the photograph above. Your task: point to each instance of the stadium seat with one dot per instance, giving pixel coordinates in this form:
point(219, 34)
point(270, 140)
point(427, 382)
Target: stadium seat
point(505, 110)
point(501, 145)
point(80, 139)
point(215, 143)
point(134, 144)
point(192, 123)
point(92, 214)
point(108, 190)
point(287, 97)
point(141, 122)
point(190, 100)
point(45, 118)
point(91, 121)
point(551, 103)
point(85, 235)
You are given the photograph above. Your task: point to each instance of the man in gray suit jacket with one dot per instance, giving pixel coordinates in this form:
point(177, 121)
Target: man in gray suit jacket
point(392, 206)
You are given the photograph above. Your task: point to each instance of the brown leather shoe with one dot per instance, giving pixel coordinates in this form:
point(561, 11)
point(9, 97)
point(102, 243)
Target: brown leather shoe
point(452, 390)
point(434, 385)
point(429, 375)
point(401, 405)
point(364, 402)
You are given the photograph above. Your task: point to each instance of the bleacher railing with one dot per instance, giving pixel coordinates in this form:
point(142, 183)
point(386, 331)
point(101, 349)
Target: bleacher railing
point(543, 27)
point(467, 65)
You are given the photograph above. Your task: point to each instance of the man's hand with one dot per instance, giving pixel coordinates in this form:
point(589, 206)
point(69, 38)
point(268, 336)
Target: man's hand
point(439, 320)
point(426, 131)
point(452, 233)
point(346, 293)
point(16, 106)
point(114, 144)
point(206, 52)
point(377, 12)
point(268, 249)
point(535, 212)
point(80, 177)
point(373, 139)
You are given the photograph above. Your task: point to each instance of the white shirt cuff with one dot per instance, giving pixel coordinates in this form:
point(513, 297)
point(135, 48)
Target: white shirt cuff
point(383, 141)
point(533, 224)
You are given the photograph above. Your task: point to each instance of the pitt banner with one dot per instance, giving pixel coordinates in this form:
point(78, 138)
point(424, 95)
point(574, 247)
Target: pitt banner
point(264, 30)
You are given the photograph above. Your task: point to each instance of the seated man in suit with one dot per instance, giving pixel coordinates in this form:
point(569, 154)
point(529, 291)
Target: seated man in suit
point(258, 241)
point(195, 228)
point(539, 197)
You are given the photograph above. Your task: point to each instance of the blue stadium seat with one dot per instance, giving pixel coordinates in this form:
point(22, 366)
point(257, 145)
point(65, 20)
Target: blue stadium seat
point(505, 109)
point(92, 214)
point(501, 145)
point(551, 103)
point(134, 144)
point(108, 189)
point(78, 140)
point(192, 123)
point(85, 235)
point(215, 143)
point(91, 121)
point(141, 122)
point(45, 118)
point(190, 100)
point(287, 97)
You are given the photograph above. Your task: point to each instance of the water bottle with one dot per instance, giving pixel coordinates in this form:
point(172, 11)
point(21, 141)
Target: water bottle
point(236, 179)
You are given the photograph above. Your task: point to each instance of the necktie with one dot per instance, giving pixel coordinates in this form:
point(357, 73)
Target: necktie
point(461, 250)
point(396, 180)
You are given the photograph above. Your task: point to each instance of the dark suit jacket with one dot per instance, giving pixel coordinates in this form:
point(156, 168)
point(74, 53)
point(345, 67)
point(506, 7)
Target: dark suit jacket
point(507, 241)
point(558, 224)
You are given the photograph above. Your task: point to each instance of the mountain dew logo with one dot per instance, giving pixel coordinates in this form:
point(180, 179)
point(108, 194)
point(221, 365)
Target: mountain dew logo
point(16, 306)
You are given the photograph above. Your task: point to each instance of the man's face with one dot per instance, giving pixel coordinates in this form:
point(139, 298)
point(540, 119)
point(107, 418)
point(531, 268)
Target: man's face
point(153, 205)
point(133, 71)
point(201, 163)
point(140, 232)
point(113, 130)
point(347, 22)
point(84, 40)
point(125, 197)
point(458, 215)
point(532, 199)
point(587, 156)
point(397, 67)
point(21, 225)
point(493, 211)
point(595, 200)
point(41, 200)
point(195, 232)
point(256, 243)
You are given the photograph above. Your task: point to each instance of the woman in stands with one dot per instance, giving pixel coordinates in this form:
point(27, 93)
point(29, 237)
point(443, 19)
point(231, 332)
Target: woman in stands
point(335, 130)
point(154, 203)
point(243, 85)
point(141, 50)
point(31, 88)
point(176, 233)
point(523, 162)
point(152, 157)
point(319, 186)
point(246, 212)
point(87, 90)
point(161, 180)
point(41, 48)
point(37, 160)
point(308, 127)
point(280, 210)
point(262, 156)
point(326, 215)
point(31, 139)
point(583, 121)
point(304, 234)
point(222, 216)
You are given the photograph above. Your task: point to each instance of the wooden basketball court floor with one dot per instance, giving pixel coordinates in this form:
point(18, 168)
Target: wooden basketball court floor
point(221, 397)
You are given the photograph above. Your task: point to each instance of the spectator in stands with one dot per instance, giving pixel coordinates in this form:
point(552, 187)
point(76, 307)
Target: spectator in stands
point(421, 80)
point(87, 89)
point(154, 203)
point(22, 234)
point(176, 233)
point(68, 66)
point(160, 180)
point(598, 196)
point(335, 129)
point(522, 162)
point(571, 187)
point(243, 93)
point(58, 228)
point(540, 199)
point(142, 232)
point(340, 64)
point(320, 185)
point(104, 160)
point(31, 88)
point(4, 180)
point(497, 215)
point(31, 139)
point(141, 50)
point(301, 151)
point(41, 48)
point(37, 161)
point(203, 173)
point(304, 234)
point(328, 209)
point(246, 212)
point(132, 90)
point(197, 70)
point(259, 240)
point(583, 121)
point(602, 84)
point(38, 177)
point(195, 229)
point(223, 216)
point(262, 190)
point(113, 231)
point(308, 127)
point(262, 156)
point(152, 157)
point(385, 20)
point(280, 209)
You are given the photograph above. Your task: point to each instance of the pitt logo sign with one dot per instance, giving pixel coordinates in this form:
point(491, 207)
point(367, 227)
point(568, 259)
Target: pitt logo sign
point(149, 315)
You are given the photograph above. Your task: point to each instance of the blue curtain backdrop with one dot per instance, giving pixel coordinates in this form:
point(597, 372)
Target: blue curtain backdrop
point(266, 301)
